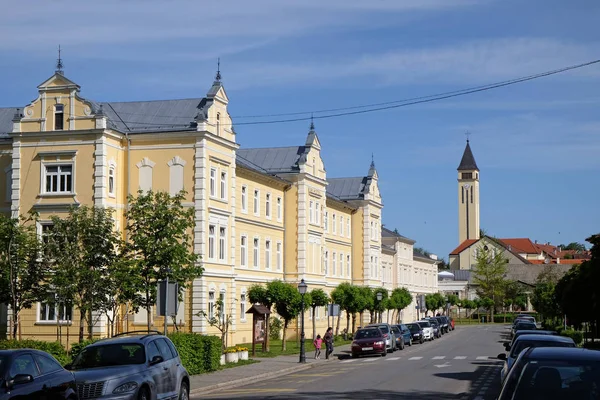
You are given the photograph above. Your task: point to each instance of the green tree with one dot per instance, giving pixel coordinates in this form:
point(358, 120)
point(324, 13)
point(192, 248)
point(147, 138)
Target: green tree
point(544, 301)
point(287, 302)
point(160, 245)
point(357, 303)
point(340, 296)
point(368, 303)
point(399, 300)
point(257, 294)
point(318, 298)
point(22, 271)
point(451, 299)
point(574, 246)
point(489, 274)
point(434, 301)
point(219, 320)
point(83, 246)
point(422, 251)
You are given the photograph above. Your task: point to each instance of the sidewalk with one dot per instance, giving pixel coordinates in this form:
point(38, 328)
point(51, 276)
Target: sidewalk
point(266, 368)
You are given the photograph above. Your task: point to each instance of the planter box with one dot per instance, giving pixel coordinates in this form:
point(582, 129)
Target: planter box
point(243, 355)
point(222, 359)
point(231, 357)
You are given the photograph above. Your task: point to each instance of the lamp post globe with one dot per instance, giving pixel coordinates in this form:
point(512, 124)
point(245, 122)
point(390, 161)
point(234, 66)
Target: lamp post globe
point(379, 296)
point(302, 287)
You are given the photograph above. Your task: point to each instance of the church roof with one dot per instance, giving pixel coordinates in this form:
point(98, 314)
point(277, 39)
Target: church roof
point(467, 162)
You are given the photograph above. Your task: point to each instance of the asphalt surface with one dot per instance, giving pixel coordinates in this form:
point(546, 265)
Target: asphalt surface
point(460, 365)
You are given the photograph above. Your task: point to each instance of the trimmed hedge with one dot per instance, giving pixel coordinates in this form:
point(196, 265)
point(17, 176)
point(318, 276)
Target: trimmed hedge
point(577, 336)
point(199, 354)
point(54, 348)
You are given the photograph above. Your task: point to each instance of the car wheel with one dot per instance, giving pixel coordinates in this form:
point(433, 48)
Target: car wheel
point(144, 394)
point(384, 354)
point(354, 355)
point(184, 392)
point(410, 342)
point(402, 345)
point(421, 341)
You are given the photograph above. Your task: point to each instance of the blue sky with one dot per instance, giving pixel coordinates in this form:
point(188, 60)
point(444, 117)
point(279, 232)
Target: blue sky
point(537, 143)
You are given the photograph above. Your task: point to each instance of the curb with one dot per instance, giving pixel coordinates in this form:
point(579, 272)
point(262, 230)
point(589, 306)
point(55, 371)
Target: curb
point(252, 379)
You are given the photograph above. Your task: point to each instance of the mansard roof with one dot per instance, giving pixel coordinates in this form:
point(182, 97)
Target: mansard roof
point(389, 233)
point(347, 188)
point(276, 159)
point(467, 163)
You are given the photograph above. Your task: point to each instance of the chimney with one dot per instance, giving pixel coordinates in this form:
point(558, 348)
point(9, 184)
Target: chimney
point(536, 241)
point(557, 260)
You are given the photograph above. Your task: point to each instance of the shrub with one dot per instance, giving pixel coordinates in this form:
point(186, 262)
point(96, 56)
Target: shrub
point(275, 327)
point(77, 347)
point(577, 336)
point(54, 348)
point(592, 345)
point(198, 353)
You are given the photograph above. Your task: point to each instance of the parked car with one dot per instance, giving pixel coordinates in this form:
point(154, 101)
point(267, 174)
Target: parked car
point(369, 340)
point(405, 332)
point(417, 332)
point(527, 341)
point(524, 319)
point(34, 374)
point(427, 329)
point(553, 373)
point(131, 366)
point(390, 339)
point(507, 345)
point(437, 330)
point(399, 339)
point(522, 326)
point(444, 323)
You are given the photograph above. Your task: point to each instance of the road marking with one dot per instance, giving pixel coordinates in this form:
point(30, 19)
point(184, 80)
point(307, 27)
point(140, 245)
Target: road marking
point(328, 374)
point(393, 358)
point(370, 359)
point(446, 364)
point(438, 357)
point(414, 358)
point(460, 357)
point(482, 358)
point(347, 361)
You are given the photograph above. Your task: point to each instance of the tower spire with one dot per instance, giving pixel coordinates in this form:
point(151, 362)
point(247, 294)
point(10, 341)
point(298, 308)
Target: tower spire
point(218, 76)
point(59, 63)
point(312, 122)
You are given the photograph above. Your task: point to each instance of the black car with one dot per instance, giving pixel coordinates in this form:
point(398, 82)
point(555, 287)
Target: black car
point(444, 323)
point(416, 332)
point(33, 374)
point(553, 373)
point(507, 345)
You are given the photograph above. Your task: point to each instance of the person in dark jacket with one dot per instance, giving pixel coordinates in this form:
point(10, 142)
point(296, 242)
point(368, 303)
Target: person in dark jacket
point(328, 338)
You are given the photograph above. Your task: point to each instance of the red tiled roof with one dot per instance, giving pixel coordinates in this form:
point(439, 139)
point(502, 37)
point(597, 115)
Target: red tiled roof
point(568, 261)
point(464, 245)
point(521, 245)
point(548, 249)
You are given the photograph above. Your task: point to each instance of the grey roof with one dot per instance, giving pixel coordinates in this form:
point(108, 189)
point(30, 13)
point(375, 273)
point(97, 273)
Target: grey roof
point(347, 188)
point(460, 275)
point(417, 253)
point(389, 233)
point(275, 159)
point(388, 248)
point(6, 116)
point(468, 161)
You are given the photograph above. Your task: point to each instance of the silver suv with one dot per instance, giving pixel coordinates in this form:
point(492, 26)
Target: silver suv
point(131, 366)
point(388, 334)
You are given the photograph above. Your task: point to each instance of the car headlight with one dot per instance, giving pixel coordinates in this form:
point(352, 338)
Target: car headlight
point(126, 387)
point(380, 343)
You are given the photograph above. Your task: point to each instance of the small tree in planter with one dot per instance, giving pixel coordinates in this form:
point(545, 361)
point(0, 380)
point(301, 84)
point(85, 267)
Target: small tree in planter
point(219, 320)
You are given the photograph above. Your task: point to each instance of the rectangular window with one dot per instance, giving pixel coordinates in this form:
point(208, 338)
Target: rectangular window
point(326, 221)
point(211, 241)
point(243, 250)
point(376, 268)
point(333, 223)
point(318, 214)
point(211, 304)
point(243, 307)
point(213, 182)
point(341, 225)
point(326, 263)
point(467, 175)
point(268, 205)
point(255, 253)
point(59, 179)
point(348, 267)
point(278, 256)
point(372, 268)
point(111, 181)
point(59, 117)
point(279, 210)
point(256, 202)
point(372, 230)
point(51, 311)
point(334, 265)
point(244, 199)
point(341, 265)
point(311, 218)
point(222, 301)
point(268, 254)
point(223, 185)
point(348, 226)
point(222, 251)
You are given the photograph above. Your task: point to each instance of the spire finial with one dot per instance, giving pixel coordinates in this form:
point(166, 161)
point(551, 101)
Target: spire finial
point(59, 63)
point(312, 122)
point(218, 77)
point(467, 134)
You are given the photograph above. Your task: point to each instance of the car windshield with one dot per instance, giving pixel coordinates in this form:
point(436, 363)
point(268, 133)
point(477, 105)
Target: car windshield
point(548, 379)
point(383, 328)
point(395, 329)
point(367, 334)
point(525, 326)
point(424, 324)
point(110, 355)
point(523, 344)
point(413, 328)
point(434, 323)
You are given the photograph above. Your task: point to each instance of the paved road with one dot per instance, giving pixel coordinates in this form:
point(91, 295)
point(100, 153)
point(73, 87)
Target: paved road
point(460, 365)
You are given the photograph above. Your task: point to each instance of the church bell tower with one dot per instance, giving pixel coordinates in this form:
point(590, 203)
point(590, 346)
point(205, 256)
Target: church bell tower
point(468, 197)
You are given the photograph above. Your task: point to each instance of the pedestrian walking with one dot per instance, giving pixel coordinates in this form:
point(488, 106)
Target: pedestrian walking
point(328, 342)
point(318, 342)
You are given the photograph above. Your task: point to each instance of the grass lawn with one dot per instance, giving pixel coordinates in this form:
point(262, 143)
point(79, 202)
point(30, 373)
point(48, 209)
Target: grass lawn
point(240, 363)
point(292, 347)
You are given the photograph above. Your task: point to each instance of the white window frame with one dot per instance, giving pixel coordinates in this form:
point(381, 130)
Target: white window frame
point(222, 298)
point(317, 213)
point(112, 175)
point(222, 243)
point(326, 221)
point(341, 225)
point(146, 165)
point(223, 184)
point(372, 268)
point(45, 174)
point(211, 303)
point(62, 116)
point(334, 264)
point(243, 299)
point(212, 242)
point(256, 202)
point(213, 182)
point(56, 313)
point(256, 252)
point(279, 208)
point(348, 266)
point(348, 228)
point(341, 264)
point(310, 212)
point(326, 262)
point(279, 255)
point(333, 223)
point(268, 205)
point(244, 198)
point(176, 175)
point(268, 254)
point(244, 250)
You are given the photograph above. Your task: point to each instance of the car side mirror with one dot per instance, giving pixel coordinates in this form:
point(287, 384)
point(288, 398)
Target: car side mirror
point(502, 356)
point(156, 360)
point(19, 379)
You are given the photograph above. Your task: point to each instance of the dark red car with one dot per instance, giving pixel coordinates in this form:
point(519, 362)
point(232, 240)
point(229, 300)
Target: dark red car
point(368, 341)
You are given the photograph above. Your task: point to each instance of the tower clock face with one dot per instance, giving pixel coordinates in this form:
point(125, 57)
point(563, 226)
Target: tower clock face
point(467, 186)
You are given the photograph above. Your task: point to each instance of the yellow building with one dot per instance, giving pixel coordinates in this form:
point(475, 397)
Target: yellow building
point(260, 214)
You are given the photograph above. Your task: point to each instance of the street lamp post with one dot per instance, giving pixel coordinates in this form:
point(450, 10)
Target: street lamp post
point(302, 286)
point(379, 298)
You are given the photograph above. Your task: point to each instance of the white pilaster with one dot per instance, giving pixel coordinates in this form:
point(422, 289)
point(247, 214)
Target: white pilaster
point(72, 111)
point(16, 179)
point(302, 228)
point(199, 289)
point(100, 168)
